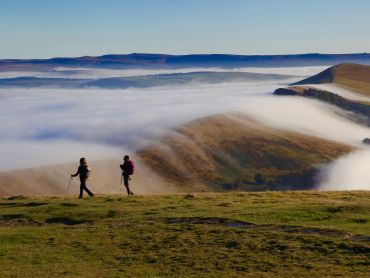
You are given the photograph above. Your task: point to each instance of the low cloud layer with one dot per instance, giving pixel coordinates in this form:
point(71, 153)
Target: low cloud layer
point(51, 126)
point(347, 173)
point(91, 73)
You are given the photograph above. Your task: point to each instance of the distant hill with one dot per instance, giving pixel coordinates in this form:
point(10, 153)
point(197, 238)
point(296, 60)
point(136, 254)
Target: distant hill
point(355, 77)
point(34, 82)
point(181, 78)
point(140, 60)
point(226, 152)
point(140, 81)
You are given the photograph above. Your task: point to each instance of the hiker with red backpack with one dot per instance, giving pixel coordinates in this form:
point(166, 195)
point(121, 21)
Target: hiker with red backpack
point(128, 169)
point(84, 173)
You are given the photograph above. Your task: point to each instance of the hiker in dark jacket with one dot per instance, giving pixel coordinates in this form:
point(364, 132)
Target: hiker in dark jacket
point(127, 170)
point(84, 172)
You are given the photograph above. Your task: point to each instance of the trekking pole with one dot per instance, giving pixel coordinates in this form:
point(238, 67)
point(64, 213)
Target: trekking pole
point(69, 184)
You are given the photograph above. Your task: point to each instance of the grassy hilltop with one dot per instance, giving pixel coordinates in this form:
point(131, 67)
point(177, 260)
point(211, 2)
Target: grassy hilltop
point(270, 234)
point(354, 77)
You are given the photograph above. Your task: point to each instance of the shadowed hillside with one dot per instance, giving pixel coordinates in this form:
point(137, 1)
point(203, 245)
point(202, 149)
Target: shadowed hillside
point(228, 151)
point(351, 76)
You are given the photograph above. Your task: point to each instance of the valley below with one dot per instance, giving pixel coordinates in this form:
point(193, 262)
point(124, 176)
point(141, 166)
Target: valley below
point(240, 172)
point(189, 131)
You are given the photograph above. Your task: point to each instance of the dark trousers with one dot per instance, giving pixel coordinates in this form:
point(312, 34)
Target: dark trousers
point(84, 187)
point(126, 179)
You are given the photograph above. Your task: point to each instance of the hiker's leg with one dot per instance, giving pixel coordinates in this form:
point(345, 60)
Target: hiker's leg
point(84, 187)
point(81, 189)
point(89, 192)
point(125, 181)
point(129, 179)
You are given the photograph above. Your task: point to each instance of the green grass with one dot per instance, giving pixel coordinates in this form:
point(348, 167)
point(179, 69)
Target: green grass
point(266, 234)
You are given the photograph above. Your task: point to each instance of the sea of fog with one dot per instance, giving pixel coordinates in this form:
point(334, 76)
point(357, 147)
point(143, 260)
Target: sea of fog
point(93, 73)
point(51, 126)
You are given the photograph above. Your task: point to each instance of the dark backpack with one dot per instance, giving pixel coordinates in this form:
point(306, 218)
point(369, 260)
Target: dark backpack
point(85, 171)
point(130, 167)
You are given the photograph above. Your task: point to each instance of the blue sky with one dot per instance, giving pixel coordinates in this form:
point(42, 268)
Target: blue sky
point(49, 28)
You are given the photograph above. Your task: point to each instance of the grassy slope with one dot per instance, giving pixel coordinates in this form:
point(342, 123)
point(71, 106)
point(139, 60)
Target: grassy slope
point(187, 236)
point(226, 151)
point(354, 77)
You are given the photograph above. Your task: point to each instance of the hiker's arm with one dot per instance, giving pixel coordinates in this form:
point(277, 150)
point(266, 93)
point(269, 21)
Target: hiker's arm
point(78, 171)
point(121, 166)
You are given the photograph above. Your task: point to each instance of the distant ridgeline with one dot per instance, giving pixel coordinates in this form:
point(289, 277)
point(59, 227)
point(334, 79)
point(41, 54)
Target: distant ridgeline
point(353, 77)
point(139, 60)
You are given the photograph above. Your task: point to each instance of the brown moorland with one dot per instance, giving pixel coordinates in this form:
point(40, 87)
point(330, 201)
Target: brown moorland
point(229, 151)
point(354, 77)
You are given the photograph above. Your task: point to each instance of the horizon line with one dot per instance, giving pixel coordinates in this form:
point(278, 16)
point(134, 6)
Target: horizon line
point(189, 54)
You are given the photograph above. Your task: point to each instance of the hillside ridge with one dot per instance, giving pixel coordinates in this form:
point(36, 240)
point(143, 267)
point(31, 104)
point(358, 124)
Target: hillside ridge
point(355, 77)
point(228, 151)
